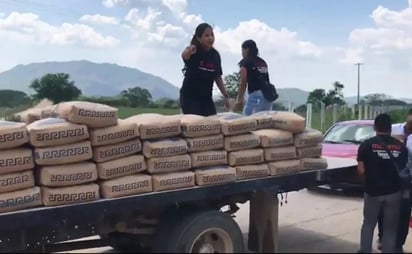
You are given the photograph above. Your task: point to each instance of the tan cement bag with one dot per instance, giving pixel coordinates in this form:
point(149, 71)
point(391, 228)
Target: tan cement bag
point(199, 126)
point(309, 137)
point(67, 175)
point(12, 135)
point(15, 160)
point(164, 147)
point(70, 195)
point(208, 143)
point(235, 124)
point(283, 120)
point(20, 200)
point(121, 167)
point(313, 164)
point(246, 157)
point(169, 164)
point(49, 112)
point(94, 115)
point(55, 132)
point(215, 175)
point(116, 151)
point(16, 181)
point(119, 133)
point(274, 138)
point(280, 153)
point(154, 126)
point(64, 154)
point(284, 167)
point(263, 121)
point(241, 142)
point(171, 181)
point(252, 171)
point(126, 186)
point(30, 115)
point(310, 152)
point(209, 158)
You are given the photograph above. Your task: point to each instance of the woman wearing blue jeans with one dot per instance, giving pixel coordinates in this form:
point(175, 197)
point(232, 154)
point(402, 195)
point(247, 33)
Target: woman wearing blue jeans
point(252, 67)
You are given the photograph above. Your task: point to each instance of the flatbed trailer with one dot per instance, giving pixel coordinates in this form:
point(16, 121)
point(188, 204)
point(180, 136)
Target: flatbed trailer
point(197, 219)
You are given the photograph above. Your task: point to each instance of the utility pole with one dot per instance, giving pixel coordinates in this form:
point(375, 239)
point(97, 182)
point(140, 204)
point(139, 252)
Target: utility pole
point(359, 107)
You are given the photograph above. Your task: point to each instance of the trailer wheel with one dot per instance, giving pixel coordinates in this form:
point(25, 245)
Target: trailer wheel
point(199, 232)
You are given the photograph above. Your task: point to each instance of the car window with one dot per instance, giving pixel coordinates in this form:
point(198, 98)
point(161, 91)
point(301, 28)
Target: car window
point(341, 133)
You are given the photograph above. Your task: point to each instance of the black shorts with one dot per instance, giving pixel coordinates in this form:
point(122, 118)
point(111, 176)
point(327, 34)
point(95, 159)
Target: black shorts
point(195, 106)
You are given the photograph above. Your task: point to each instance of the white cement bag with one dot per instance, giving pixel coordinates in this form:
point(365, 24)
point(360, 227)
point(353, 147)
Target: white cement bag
point(67, 175)
point(64, 154)
point(20, 200)
point(154, 126)
point(15, 160)
point(116, 151)
point(94, 115)
point(199, 126)
point(280, 153)
point(215, 175)
point(252, 171)
point(284, 167)
point(209, 158)
point(310, 151)
point(309, 137)
point(208, 143)
point(70, 195)
point(235, 124)
point(121, 132)
point(274, 138)
point(171, 181)
point(246, 157)
point(283, 120)
point(164, 147)
point(313, 164)
point(169, 164)
point(16, 181)
point(126, 186)
point(12, 134)
point(129, 165)
point(241, 142)
point(55, 132)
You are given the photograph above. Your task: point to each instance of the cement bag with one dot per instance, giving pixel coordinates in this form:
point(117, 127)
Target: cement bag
point(310, 152)
point(209, 158)
point(20, 200)
point(129, 165)
point(252, 171)
point(16, 181)
point(208, 143)
point(171, 181)
point(67, 175)
point(64, 154)
point(199, 126)
point(116, 151)
point(121, 132)
point(313, 164)
point(169, 164)
point(94, 115)
point(241, 142)
point(309, 137)
point(15, 160)
point(126, 186)
point(30, 115)
point(55, 132)
point(274, 138)
point(153, 126)
point(164, 147)
point(263, 121)
point(280, 153)
point(235, 124)
point(49, 112)
point(70, 195)
point(246, 157)
point(12, 134)
point(284, 167)
point(283, 120)
point(215, 175)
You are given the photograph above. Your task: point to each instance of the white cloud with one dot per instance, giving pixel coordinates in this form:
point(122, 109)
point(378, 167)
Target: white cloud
point(99, 19)
point(176, 6)
point(112, 3)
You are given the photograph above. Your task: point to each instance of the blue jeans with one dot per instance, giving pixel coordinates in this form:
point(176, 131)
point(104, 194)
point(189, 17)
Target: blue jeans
point(256, 102)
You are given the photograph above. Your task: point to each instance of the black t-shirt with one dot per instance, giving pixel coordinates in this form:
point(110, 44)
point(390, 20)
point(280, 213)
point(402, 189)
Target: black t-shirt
point(381, 177)
point(254, 66)
point(202, 69)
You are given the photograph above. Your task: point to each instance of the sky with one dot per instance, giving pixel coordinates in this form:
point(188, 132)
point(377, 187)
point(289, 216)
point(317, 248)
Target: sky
point(307, 44)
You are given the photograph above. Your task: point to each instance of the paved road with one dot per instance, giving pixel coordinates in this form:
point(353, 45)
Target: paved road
point(310, 222)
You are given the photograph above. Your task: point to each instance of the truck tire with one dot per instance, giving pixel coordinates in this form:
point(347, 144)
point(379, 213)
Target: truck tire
point(198, 232)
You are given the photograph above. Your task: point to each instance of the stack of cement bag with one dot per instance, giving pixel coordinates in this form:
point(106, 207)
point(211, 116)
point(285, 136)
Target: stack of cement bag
point(17, 184)
point(309, 149)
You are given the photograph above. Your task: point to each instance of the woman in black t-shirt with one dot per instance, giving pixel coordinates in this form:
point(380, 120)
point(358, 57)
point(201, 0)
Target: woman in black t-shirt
point(251, 68)
point(202, 69)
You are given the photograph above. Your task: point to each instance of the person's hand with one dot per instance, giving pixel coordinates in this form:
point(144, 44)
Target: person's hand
point(192, 49)
point(227, 103)
point(239, 104)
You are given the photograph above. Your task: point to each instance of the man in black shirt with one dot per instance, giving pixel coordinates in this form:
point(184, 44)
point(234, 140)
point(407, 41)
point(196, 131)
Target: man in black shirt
point(382, 183)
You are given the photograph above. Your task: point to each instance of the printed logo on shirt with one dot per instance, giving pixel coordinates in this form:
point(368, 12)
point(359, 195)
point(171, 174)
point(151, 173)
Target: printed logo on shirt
point(261, 66)
point(381, 152)
point(207, 66)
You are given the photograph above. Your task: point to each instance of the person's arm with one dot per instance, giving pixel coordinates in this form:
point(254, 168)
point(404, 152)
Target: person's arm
point(409, 146)
point(242, 87)
point(361, 158)
point(188, 52)
point(221, 86)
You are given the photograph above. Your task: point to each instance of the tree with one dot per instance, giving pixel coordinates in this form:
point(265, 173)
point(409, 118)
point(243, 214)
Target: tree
point(55, 87)
point(376, 99)
point(232, 82)
point(395, 102)
point(137, 96)
point(333, 96)
point(11, 98)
